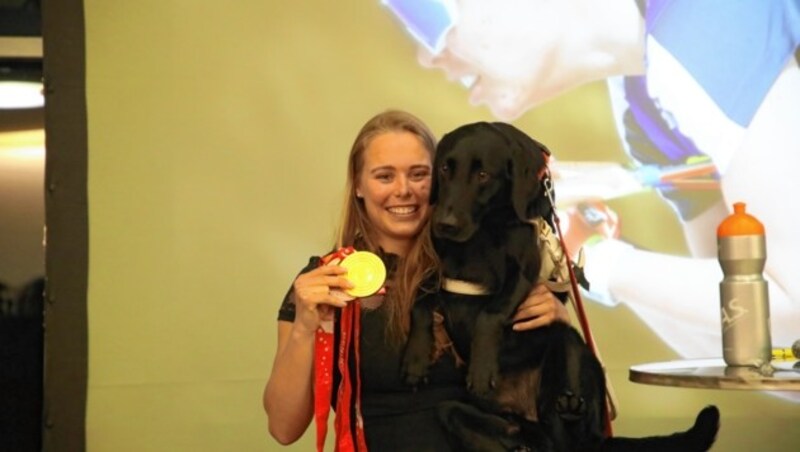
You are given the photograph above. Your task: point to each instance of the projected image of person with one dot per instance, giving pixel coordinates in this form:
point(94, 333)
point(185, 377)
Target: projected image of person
point(706, 90)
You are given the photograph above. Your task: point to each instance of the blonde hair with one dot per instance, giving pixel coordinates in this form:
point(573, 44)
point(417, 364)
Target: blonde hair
point(420, 263)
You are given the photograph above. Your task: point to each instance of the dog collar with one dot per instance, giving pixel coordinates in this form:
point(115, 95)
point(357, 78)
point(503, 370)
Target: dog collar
point(463, 287)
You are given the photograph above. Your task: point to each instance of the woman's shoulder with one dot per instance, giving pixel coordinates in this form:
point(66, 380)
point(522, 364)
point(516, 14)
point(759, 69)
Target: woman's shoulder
point(286, 312)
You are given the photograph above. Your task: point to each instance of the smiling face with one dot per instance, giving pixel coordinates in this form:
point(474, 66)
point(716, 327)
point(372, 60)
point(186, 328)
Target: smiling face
point(394, 186)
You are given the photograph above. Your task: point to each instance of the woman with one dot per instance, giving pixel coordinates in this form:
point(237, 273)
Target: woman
point(386, 211)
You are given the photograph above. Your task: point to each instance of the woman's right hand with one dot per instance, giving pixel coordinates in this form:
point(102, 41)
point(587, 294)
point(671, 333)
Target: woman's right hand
point(288, 397)
point(316, 293)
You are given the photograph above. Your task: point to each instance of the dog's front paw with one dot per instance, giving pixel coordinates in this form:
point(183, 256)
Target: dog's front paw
point(415, 366)
point(415, 373)
point(570, 407)
point(482, 378)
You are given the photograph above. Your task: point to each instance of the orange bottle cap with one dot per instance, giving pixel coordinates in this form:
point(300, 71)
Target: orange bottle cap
point(740, 223)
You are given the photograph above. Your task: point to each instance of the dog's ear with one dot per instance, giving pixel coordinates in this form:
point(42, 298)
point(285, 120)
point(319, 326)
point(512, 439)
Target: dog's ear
point(526, 159)
point(542, 205)
point(523, 182)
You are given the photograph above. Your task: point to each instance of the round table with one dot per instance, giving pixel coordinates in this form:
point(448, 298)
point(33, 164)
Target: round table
point(713, 373)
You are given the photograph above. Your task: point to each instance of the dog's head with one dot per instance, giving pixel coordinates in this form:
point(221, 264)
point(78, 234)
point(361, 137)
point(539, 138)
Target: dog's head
point(483, 170)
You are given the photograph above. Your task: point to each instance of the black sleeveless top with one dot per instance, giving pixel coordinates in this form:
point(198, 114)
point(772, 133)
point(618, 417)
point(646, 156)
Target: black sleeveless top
point(396, 418)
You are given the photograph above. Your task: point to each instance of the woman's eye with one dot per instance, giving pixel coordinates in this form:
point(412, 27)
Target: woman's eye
point(383, 177)
point(419, 175)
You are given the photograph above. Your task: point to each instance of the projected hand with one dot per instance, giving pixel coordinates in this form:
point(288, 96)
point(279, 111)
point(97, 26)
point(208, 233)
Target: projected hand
point(587, 223)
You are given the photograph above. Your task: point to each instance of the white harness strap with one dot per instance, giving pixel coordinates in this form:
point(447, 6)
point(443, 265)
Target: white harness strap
point(554, 273)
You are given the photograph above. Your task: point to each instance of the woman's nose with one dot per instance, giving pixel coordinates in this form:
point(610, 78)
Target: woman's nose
point(402, 188)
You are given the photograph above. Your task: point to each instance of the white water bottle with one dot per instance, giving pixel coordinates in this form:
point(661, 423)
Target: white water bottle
point(744, 298)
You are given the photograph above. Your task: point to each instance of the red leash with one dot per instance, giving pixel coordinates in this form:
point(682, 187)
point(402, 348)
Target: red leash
point(583, 319)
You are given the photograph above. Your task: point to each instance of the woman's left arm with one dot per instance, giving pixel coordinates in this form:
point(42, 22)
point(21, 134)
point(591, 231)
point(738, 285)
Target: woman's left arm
point(540, 308)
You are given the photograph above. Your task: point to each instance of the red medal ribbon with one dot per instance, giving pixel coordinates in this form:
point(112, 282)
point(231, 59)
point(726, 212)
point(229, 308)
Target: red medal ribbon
point(323, 383)
point(349, 335)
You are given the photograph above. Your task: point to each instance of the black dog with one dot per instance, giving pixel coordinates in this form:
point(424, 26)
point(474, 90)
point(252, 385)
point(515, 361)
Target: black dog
point(541, 389)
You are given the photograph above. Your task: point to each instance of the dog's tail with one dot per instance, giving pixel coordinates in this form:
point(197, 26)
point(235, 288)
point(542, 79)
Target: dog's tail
point(698, 438)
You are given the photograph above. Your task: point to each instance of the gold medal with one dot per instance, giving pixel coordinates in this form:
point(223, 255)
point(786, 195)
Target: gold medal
point(366, 271)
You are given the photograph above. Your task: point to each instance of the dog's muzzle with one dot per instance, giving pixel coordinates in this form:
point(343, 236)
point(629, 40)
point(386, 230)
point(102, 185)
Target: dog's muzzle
point(449, 227)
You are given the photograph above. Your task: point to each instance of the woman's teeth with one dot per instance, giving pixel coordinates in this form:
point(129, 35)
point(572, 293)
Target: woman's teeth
point(404, 210)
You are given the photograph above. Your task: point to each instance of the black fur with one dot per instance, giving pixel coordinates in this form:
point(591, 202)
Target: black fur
point(541, 389)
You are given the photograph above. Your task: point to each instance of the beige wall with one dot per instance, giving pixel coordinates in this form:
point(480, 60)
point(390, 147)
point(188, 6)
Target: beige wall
point(218, 133)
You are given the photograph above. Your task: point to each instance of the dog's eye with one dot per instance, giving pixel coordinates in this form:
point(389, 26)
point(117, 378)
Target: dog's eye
point(483, 177)
point(444, 169)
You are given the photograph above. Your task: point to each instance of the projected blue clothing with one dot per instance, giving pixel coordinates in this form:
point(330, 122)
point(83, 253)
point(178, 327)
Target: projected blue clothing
point(734, 50)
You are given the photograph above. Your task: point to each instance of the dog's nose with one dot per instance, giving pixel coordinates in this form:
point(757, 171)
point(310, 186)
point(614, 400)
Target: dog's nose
point(444, 230)
point(446, 226)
